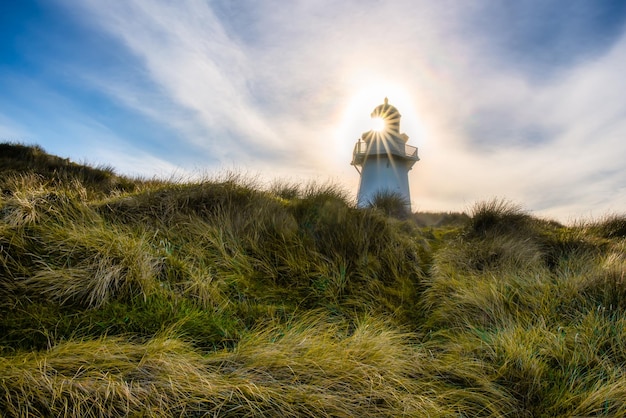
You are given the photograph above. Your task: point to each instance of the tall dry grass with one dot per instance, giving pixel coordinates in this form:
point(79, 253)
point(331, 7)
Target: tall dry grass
point(309, 367)
point(221, 297)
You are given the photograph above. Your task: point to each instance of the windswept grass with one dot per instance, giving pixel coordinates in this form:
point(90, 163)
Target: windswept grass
point(309, 367)
point(220, 297)
point(611, 226)
point(539, 303)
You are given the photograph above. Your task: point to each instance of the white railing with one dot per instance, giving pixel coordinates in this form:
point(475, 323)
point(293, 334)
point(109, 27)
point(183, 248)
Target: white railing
point(363, 149)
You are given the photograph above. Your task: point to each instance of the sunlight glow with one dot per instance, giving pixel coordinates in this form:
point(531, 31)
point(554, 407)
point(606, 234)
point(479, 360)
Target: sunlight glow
point(378, 124)
point(363, 94)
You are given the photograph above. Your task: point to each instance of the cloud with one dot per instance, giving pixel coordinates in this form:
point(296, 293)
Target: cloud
point(291, 73)
point(193, 63)
point(537, 39)
point(555, 144)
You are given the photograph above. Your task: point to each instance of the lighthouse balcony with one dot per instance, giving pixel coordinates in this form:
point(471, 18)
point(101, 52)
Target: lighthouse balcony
point(363, 150)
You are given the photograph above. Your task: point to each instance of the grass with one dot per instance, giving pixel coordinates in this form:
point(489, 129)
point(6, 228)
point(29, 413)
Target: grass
point(220, 297)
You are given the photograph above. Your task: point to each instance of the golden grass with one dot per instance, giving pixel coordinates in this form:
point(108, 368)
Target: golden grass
point(123, 297)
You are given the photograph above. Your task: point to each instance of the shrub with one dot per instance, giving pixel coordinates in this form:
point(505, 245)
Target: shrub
point(391, 204)
point(498, 216)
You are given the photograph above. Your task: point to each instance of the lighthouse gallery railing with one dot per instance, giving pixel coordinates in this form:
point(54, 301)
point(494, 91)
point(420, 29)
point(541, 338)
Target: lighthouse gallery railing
point(362, 149)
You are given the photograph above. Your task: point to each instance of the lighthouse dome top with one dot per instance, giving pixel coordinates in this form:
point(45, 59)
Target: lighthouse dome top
point(386, 111)
point(390, 115)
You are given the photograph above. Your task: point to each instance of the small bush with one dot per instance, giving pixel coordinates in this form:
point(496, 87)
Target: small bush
point(391, 204)
point(498, 216)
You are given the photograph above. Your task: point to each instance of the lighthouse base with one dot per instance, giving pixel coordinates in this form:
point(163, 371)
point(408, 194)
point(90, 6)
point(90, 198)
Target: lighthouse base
point(381, 176)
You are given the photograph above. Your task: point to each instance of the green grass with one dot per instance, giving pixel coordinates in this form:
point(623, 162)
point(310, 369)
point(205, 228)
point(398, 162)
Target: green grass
point(220, 297)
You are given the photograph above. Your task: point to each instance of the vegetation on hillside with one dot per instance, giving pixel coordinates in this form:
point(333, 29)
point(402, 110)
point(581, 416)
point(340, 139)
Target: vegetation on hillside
point(220, 297)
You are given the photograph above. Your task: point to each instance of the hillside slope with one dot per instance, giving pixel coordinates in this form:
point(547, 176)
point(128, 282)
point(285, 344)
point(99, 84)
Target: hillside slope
point(127, 297)
point(17, 160)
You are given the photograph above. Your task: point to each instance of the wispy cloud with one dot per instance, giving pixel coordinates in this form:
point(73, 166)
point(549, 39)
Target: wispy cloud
point(193, 62)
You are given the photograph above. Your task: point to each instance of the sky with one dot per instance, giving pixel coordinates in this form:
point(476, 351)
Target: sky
point(517, 100)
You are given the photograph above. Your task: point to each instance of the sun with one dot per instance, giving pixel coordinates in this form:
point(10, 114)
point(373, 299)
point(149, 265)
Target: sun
point(378, 124)
point(363, 93)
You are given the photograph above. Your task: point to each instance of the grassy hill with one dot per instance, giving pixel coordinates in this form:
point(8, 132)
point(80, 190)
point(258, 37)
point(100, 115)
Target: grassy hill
point(219, 297)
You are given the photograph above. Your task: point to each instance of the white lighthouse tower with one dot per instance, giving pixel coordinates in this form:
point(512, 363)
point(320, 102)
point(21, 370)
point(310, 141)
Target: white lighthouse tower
point(383, 159)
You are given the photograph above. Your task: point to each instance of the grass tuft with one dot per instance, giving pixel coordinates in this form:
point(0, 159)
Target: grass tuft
point(612, 226)
point(391, 204)
point(497, 216)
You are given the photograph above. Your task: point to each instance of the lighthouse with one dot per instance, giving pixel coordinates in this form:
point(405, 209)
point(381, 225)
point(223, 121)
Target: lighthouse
point(383, 158)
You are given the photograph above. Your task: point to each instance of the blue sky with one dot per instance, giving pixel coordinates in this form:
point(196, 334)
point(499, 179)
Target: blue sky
point(521, 100)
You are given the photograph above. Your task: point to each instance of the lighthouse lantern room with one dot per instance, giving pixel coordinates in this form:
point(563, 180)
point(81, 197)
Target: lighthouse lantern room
point(383, 158)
